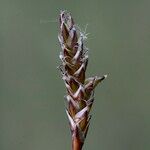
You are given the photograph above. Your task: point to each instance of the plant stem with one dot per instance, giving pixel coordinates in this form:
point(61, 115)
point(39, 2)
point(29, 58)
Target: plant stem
point(76, 144)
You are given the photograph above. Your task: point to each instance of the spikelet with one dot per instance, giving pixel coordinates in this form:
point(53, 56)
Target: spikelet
point(80, 91)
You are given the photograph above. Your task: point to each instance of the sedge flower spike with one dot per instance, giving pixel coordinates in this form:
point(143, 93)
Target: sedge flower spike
point(80, 90)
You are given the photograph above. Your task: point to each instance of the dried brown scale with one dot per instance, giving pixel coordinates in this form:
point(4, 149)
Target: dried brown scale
point(80, 91)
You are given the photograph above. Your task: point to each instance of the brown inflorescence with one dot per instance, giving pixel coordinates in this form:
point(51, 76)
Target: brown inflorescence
point(80, 91)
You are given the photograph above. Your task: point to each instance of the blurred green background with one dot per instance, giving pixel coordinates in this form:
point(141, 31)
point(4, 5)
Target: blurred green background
point(32, 115)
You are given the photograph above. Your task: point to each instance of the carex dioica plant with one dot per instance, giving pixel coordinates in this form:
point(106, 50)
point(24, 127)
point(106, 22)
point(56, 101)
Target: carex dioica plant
point(80, 90)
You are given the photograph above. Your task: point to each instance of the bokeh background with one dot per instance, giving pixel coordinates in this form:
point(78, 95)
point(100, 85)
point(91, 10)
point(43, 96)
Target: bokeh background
point(32, 115)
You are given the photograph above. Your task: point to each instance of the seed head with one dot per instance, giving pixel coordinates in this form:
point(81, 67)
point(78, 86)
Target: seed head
point(80, 90)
